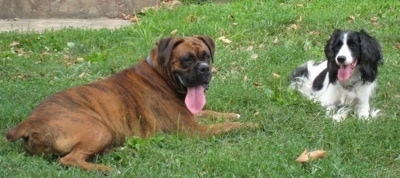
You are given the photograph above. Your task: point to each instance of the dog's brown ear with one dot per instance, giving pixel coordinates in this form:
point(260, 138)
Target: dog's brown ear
point(210, 44)
point(165, 47)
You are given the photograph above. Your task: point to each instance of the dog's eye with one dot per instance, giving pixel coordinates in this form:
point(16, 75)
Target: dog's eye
point(187, 61)
point(351, 43)
point(207, 57)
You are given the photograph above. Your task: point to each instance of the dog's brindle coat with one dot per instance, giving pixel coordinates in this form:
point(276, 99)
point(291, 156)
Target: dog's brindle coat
point(147, 98)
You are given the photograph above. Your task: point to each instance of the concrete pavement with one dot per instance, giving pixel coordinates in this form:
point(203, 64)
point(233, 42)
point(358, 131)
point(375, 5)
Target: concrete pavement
point(25, 25)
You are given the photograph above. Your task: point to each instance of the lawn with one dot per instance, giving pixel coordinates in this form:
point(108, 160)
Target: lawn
point(268, 39)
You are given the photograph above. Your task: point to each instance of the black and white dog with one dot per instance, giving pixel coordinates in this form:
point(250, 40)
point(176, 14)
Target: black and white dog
point(346, 80)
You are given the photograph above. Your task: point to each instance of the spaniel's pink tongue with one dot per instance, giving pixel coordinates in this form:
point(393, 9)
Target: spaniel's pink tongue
point(344, 72)
point(195, 99)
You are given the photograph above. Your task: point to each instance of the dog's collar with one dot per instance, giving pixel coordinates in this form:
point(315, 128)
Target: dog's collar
point(148, 59)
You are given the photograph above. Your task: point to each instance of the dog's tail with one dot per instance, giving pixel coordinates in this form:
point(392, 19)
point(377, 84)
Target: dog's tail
point(17, 132)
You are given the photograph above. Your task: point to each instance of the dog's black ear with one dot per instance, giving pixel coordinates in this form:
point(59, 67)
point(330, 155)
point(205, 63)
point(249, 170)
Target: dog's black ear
point(330, 55)
point(165, 47)
point(370, 48)
point(210, 44)
point(371, 56)
point(329, 50)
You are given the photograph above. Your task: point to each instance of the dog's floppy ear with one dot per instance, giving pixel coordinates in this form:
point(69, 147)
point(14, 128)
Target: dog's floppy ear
point(329, 51)
point(210, 44)
point(330, 55)
point(370, 48)
point(165, 47)
point(371, 56)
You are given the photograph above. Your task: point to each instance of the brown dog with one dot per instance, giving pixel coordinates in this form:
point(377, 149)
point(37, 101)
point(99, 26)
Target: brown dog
point(160, 94)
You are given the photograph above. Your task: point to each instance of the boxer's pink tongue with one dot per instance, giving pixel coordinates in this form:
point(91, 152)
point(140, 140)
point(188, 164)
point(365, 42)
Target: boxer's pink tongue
point(344, 72)
point(195, 99)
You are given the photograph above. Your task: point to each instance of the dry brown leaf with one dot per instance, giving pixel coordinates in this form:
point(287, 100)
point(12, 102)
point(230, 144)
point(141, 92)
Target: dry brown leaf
point(257, 84)
point(82, 74)
point(313, 155)
point(254, 56)
point(79, 59)
point(173, 33)
point(275, 40)
point(374, 19)
point(134, 19)
point(224, 39)
point(299, 19)
point(294, 26)
point(276, 75)
point(351, 18)
point(14, 43)
point(397, 45)
point(214, 70)
point(44, 53)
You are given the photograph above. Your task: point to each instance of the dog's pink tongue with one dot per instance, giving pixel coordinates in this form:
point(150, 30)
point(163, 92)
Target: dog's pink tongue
point(344, 72)
point(195, 99)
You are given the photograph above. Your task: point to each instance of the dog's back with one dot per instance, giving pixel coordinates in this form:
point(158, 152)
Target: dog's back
point(308, 78)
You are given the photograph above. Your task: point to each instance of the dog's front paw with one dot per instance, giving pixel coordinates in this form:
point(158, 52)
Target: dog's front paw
point(341, 114)
point(375, 113)
point(363, 115)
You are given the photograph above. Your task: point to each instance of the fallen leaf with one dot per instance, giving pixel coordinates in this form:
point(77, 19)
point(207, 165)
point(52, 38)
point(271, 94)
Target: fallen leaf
point(299, 19)
point(224, 39)
point(294, 26)
point(173, 33)
point(275, 40)
point(214, 70)
point(397, 45)
point(254, 56)
point(134, 19)
point(250, 48)
point(79, 59)
point(82, 74)
point(313, 155)
point(351, 18)
point(276, 75)
point(257, 84)
point(245, 78)
point(14, 43)
point(374, 19)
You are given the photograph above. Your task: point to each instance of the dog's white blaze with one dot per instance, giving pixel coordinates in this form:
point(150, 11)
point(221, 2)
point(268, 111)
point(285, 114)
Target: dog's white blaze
point(345, 51)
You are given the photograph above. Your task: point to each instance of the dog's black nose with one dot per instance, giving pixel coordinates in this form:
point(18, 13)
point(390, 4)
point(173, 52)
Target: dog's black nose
point(203, 68)
point(341, 59)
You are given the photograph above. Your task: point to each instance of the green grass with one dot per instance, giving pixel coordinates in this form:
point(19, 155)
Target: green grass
point(44, 63)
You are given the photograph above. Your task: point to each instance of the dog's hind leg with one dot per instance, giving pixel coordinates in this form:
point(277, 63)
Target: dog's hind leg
point(219, 128)
point(78, 158)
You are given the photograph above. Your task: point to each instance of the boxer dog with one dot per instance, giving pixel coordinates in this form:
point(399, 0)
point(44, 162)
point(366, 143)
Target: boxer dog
point(162, 93)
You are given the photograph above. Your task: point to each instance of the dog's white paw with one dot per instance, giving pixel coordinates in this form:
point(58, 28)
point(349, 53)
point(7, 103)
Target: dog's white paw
point(341, 114)
point(375, 113)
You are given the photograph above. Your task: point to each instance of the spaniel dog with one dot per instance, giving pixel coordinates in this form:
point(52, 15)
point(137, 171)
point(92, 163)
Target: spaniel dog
point(346, 80)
